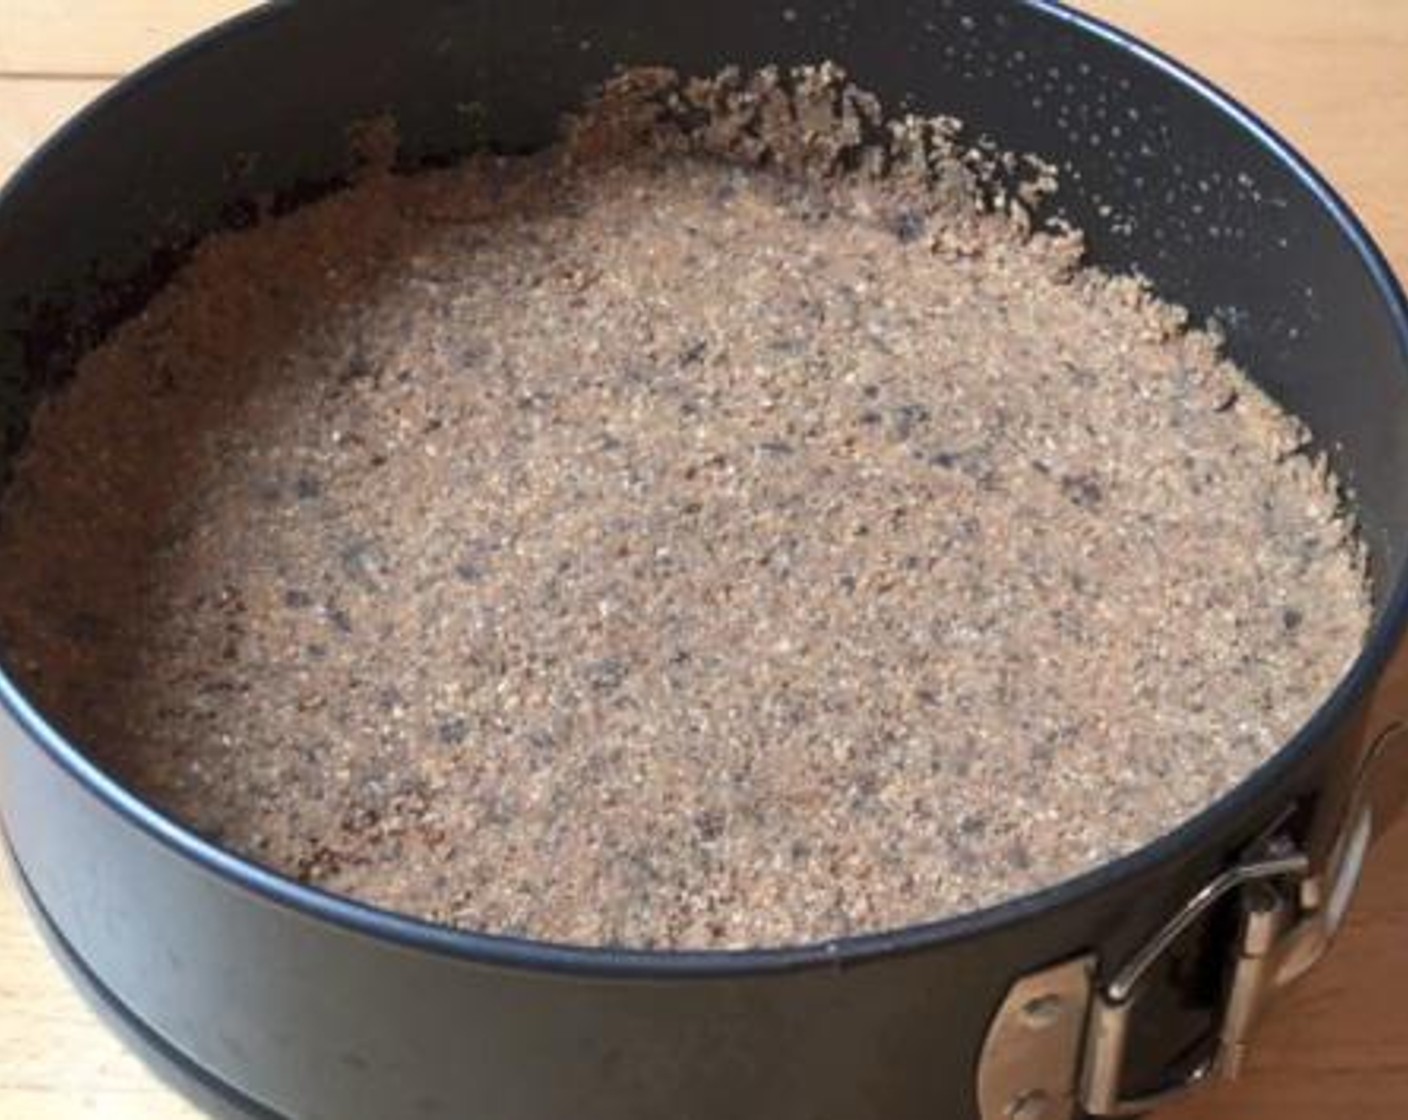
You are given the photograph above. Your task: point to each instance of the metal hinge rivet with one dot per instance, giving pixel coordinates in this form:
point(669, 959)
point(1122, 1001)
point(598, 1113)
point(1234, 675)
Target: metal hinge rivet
point(1029, 1106)
point(1042, 1012)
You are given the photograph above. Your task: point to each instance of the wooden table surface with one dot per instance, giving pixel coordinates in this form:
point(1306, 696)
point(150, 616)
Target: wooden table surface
point(1331, 74)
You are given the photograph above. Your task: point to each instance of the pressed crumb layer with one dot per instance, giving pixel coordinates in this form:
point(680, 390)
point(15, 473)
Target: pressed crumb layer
point(732, 527)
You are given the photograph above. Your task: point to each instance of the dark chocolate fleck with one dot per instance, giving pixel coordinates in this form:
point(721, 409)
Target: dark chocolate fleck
point(453, 731)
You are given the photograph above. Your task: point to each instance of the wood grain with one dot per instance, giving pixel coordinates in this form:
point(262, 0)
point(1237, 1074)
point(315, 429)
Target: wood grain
point(1330, 74)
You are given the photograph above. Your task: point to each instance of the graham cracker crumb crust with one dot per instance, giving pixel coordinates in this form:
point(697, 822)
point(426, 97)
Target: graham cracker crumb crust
point(738, 525)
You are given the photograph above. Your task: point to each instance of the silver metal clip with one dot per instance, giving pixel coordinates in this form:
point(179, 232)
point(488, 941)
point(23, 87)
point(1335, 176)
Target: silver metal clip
point(1058, 1046)
point(1112, 1011)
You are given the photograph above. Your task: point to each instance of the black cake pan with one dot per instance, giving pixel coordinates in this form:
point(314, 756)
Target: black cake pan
point(272, 999)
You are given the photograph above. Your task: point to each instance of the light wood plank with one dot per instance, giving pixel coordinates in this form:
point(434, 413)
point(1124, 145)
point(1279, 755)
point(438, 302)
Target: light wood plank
point(102, 37)
point(31, 110)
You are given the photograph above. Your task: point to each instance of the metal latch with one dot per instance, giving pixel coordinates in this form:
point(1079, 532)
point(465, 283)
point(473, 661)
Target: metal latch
point(1266, 886)
point(1058, 1045)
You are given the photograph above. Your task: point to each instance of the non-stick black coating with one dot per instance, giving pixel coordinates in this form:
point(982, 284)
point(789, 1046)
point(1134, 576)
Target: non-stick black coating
point(319, 1009)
